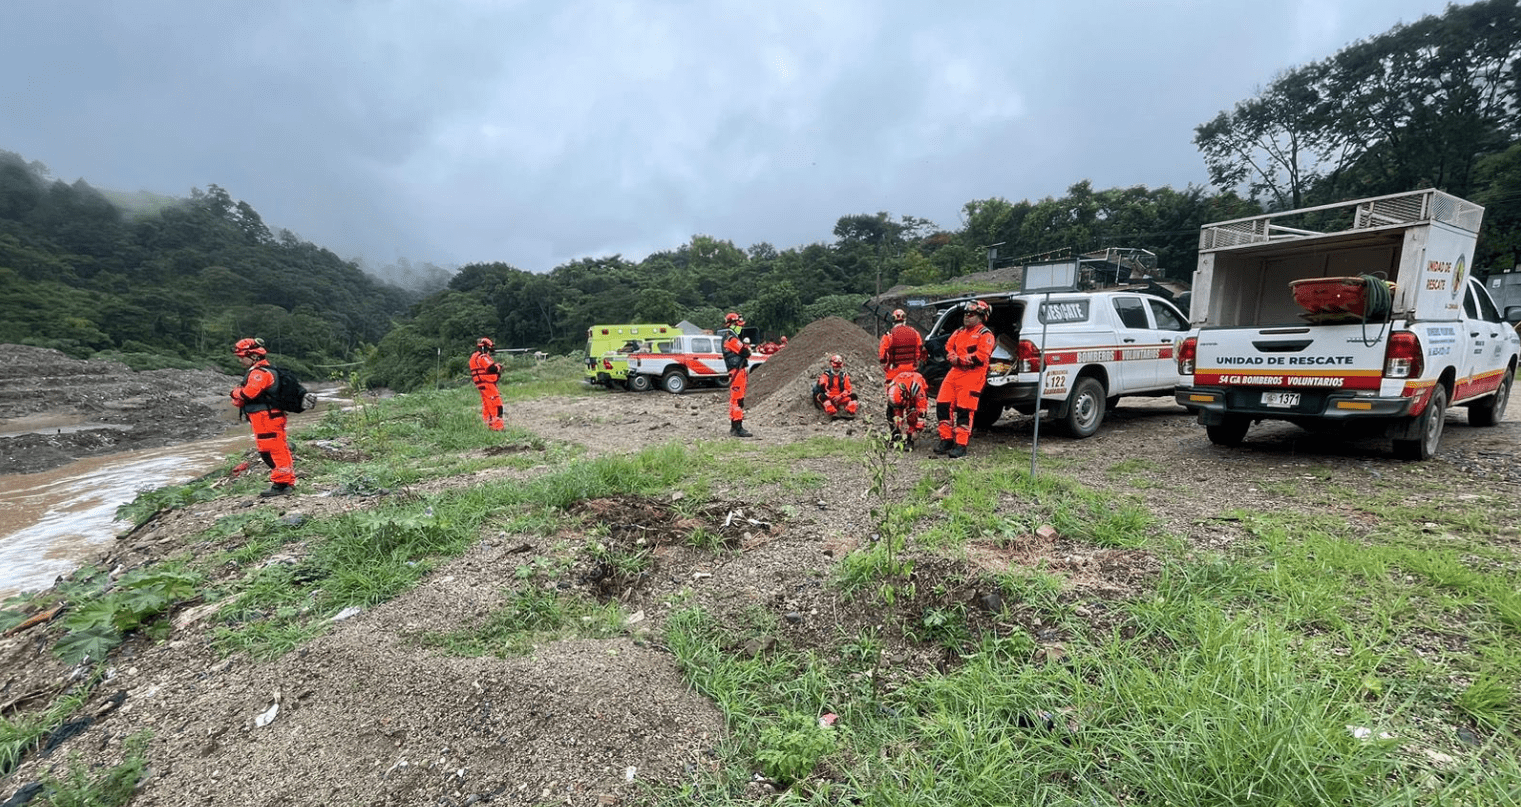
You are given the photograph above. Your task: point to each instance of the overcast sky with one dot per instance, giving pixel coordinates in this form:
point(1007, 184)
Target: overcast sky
point(537, 132)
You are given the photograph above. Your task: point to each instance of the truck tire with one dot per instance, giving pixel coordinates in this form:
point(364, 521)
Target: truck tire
point(1430, 428)
point(1085, 408)
point(1230, 432)
point(1491, 410)
point(986, 415)
point(674, 382)
point(638, 382)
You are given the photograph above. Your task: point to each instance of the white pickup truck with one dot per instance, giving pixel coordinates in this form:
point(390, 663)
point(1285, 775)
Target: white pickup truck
point(1099, 346)
point(680, 362)
point(1380, 360)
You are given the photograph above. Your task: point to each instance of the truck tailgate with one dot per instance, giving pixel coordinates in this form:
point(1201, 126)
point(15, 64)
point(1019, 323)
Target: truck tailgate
point(1323, 357)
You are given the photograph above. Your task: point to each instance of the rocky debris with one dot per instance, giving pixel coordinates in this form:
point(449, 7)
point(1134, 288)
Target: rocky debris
point(781, 390)
point(54, 409)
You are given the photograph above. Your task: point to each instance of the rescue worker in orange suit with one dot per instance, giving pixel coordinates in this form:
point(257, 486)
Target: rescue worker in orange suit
point(907, 405)
point(833, 392)
point(484, 372)
point(252, 398)
point(902, 348)
point(737, 362)
point(968, 351)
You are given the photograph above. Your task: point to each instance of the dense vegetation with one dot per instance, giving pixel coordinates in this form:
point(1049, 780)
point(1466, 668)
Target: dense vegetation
point(172, 285)
point(1430, 104)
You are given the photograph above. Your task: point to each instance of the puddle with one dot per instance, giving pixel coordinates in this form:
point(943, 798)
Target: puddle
point(51, 521)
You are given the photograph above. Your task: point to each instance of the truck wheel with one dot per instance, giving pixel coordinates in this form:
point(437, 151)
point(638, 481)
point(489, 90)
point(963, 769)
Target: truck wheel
point(674, 382)
point(1491, 410)
point(638, 382)
point(1230, 432)
point(1430, 428)
point(986, 415)
point(1085, 409)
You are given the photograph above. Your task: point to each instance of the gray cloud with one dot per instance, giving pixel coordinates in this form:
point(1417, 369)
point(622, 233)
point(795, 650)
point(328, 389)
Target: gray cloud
point(536, 133)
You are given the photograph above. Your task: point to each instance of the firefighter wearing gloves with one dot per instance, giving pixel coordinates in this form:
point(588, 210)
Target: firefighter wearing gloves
point(484, 372)
point(968, 351)
point(252, 398)
point(907, 405)
point(833, 392)
point(902, 348)
point(737, 362)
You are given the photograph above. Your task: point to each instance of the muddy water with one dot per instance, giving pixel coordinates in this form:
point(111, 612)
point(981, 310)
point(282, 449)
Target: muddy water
point(51, 522)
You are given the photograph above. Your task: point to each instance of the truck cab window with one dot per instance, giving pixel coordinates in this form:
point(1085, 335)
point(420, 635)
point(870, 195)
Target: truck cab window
point(1167, 318)
point(1487, 310)
point(1132, 312)
point(1471, 304)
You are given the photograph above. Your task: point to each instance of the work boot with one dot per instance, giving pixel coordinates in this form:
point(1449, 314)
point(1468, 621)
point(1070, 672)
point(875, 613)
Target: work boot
point(908, 442)
point(277, 489)
point(944, 445)
point(737, 429)
point(957, 452)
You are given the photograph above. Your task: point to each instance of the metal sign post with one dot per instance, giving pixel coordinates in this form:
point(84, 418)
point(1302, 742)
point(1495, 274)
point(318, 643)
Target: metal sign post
point(1048, 278)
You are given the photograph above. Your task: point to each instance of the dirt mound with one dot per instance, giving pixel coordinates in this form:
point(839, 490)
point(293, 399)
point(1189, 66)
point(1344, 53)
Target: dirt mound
point(781, 390)
point(54, 409)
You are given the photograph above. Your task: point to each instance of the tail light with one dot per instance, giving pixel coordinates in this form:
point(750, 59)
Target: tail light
point(1029, 357)
point(1188, 355)
point(1404, 357)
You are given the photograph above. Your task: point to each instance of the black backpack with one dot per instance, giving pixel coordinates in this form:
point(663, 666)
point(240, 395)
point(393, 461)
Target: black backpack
point(287, 394)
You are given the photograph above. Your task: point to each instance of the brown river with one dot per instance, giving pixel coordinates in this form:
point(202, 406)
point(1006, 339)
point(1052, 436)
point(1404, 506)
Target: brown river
point(52, 522)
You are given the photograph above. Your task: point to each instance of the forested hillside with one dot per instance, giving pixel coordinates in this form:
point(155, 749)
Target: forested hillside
point(176, 285)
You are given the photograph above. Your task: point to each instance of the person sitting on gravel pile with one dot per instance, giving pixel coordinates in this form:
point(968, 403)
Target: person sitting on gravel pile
point(252, 398)
point(907, 404)
point(833, 391)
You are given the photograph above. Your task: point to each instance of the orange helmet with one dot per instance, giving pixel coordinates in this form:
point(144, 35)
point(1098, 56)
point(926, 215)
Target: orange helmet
point(899, 315)
point(980, 308)
point(733, 318)
point(836, 361)
point(249, 347)
point(485, 342)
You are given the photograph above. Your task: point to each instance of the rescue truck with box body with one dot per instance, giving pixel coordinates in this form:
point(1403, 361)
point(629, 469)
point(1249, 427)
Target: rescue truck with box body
point(608, 346)
point(1357, 315)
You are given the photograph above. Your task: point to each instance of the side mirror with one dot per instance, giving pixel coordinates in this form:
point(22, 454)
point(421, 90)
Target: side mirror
point(1513, 314)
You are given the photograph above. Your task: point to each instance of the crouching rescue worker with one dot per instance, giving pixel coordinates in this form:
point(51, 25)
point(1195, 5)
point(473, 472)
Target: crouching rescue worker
point(907, 405)
point(484, 372)
point(968, 351)
point(253, 398)
point(737, 362)
point(833, 392)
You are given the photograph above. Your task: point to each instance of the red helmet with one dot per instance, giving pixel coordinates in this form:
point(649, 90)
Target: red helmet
point(980, 308)
point(249, 347)
point(733, 318)
point(836, 361)
point(899, 315)
point(485, 342)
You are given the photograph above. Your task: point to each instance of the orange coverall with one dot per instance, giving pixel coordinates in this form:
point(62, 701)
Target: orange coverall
point(268, 422)
point(968, 351)
point(907, 403)
point(484, 373)
point(833, 392)
point(737, 362)
point(901, 348)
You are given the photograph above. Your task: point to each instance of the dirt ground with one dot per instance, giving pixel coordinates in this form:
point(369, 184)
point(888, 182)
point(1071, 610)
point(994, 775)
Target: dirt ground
point(367, 715)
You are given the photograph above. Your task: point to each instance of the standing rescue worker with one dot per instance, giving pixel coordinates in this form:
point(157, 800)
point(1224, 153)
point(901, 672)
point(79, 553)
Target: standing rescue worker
point(254, 401)
point(902, 348)
point(833, 391)
point(484, 372)
point(968, 351)
point(907, 404)
point(737, 362)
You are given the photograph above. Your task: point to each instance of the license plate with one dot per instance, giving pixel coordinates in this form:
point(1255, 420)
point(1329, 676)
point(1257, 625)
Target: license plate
point(1280, 399)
